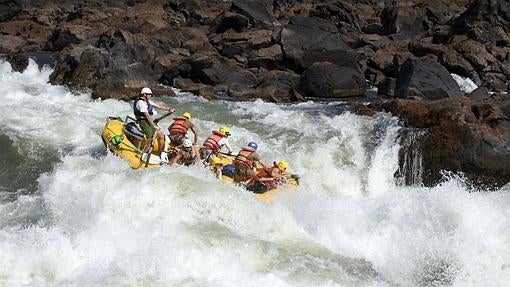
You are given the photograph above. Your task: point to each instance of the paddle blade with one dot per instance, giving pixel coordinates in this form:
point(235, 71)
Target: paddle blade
point(153, 159)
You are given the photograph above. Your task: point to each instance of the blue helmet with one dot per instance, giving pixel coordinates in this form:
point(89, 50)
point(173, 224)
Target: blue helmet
point(253, 145)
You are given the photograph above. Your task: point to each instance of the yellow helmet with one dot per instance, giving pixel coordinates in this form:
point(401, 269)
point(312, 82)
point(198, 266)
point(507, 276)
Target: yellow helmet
point(215, 160)
point(225, 131)
point(187, 115)
point(283, 165)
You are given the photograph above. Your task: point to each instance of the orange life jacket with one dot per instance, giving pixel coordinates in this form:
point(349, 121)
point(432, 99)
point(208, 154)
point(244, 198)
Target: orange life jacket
point(178, 127)
point(243, 157)
point(212, 142)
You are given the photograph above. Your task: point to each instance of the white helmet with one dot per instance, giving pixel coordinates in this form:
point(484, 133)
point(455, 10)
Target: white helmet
point(146, 91)
point(187, 143)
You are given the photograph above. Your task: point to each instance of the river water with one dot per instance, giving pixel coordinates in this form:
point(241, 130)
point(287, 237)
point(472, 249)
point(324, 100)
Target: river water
point(73, 215)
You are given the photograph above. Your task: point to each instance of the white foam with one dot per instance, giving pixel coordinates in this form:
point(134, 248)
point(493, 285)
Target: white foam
point(466, 84)
point(104, 224)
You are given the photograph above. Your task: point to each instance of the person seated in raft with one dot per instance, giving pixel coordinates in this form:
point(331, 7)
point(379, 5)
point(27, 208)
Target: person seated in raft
point(216, 166)
point(268, 178)
point(245, 162)
point(214, 143)
point(186, 155)
point(143, 108)
point(179, 128)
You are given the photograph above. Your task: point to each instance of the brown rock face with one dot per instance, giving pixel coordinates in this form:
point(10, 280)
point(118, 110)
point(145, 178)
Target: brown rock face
point(285, 51)
point(461, 135)
point(326, 80)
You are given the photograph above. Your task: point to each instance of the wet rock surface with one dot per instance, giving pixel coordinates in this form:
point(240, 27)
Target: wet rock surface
point(288, 51)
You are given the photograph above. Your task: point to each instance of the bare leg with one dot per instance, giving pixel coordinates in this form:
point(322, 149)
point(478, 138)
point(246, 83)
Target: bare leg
point(161, 140)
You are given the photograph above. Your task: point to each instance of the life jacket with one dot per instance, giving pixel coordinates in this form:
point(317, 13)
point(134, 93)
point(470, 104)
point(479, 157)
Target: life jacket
point(212, 142)
point(178, 127)
point(243, 157)
point(139, 115)
point(269, 184)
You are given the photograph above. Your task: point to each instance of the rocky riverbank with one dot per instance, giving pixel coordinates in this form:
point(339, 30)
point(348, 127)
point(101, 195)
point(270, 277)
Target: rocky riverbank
point(288, 51)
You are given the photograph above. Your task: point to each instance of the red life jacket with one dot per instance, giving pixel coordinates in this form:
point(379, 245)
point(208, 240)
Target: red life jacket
point(178, 127)
point(212, 142)
point(269, 184)
point(243, 157)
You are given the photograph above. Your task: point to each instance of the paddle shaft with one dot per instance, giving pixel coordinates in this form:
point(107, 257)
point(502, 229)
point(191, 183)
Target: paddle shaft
point(149, 151)
point(224, 153)
point(162, 117)
point(151, 146)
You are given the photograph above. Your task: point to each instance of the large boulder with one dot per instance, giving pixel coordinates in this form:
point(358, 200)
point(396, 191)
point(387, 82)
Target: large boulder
point(23, 35)
point(404, 20)
point(470, 136)
point(268, 58)
point(297, 47)
point(327, 80)
point(421, 77)
point(9, 9)
point(225, 71)
point(485, 21)
point(114, 67)
point(258, 11)
point(344, 14)
point(279, 86)
point(455, 63)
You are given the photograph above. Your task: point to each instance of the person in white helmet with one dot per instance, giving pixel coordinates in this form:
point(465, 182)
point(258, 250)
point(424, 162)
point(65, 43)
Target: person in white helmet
point(143, 109)
point(187, 155)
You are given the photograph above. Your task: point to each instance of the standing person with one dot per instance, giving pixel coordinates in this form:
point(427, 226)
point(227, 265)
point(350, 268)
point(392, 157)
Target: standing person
point(186, 154)
point(214, 143)
point(143, 108)
point(268, 178)
point(245, 163)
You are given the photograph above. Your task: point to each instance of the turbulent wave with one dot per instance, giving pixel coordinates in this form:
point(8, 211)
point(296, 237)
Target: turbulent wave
point(73, 215)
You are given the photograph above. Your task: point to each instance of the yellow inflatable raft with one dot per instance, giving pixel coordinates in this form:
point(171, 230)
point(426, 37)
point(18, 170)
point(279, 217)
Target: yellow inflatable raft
point(225, 161)
point(125, 140)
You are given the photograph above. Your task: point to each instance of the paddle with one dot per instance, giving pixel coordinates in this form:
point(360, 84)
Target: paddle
point(163, 116)
point(228, 154)
point(154, 159)
point(291, 177)
point(151, 146)
point(149, 151)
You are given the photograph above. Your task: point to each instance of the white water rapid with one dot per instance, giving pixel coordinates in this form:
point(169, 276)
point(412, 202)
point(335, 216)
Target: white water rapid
point(73, 215)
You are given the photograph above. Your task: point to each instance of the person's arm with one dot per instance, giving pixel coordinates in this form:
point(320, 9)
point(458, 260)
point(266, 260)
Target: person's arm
point(249, 181)
point(224, 142)
point(229, 148)
point(256, 159)
point(195, 133)
point(176, 159)
point(162, 107)
point(276, 173)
